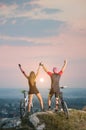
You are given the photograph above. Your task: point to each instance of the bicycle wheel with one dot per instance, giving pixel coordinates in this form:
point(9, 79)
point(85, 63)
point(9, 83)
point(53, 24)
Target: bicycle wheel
point(22, 109)
point(65, 109)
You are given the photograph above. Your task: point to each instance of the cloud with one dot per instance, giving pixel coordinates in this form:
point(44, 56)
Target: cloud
point(3, 21)
point(14, 22)
point(68, 42)
point(72, 12)
point(51, 11)
point(70, 35)
point(8, 11)
point(32, 41)
point(68, 7)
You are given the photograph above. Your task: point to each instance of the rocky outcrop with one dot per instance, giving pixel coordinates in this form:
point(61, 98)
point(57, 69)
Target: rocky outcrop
point(34, 122)
point(10, 123)
point(17, 123)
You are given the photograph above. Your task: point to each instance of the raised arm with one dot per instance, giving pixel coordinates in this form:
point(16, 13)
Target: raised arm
point(22, 71)
point(64, 66)
point(45, 69)
point(38, 71)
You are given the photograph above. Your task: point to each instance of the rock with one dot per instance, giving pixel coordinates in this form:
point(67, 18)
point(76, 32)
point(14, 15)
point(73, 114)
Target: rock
point(10, 122)
point(41, 127)
point(36, 122)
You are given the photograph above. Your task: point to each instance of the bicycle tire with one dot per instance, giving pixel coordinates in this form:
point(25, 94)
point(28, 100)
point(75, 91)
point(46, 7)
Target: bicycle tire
point(65, 109)
point(22, 109)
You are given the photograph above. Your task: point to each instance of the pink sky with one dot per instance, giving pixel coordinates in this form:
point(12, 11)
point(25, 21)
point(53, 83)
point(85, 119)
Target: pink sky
point(68, 41)
point(71, 48)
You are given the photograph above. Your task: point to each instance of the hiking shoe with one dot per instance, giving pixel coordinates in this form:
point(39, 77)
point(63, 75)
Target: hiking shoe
point(43, 110)
point(57, 111)
point(28, 114)
point(49, 109)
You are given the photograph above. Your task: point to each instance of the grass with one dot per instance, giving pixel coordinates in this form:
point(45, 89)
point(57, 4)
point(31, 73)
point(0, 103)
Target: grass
point(76, 121)
point(58, 121)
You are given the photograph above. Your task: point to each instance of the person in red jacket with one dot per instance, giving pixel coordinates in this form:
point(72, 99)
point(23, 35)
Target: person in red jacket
point(32, 87)
point(55, 88)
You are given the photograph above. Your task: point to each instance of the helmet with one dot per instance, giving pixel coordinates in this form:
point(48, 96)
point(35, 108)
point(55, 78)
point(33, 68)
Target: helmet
point(54, 69)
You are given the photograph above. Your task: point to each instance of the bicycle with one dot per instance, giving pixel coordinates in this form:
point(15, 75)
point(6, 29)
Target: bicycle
point(24, 105)
point(62, 104)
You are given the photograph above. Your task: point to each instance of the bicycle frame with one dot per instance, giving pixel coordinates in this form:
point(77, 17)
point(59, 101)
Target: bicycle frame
point(24, 104)
point(26, 98)
point(63, 104)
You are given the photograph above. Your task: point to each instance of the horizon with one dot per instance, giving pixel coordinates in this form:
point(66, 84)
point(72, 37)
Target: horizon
point(67, 92)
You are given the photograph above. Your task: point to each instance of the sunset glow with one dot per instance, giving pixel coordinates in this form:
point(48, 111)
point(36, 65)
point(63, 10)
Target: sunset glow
point(32, 31)
point(41, 79)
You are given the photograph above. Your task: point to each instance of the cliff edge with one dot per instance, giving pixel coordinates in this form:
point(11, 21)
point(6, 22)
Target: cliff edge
point(47, 120)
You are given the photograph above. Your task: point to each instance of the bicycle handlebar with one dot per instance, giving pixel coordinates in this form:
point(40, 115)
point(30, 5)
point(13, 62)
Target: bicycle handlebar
point(62, 87)
point(23, 91)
